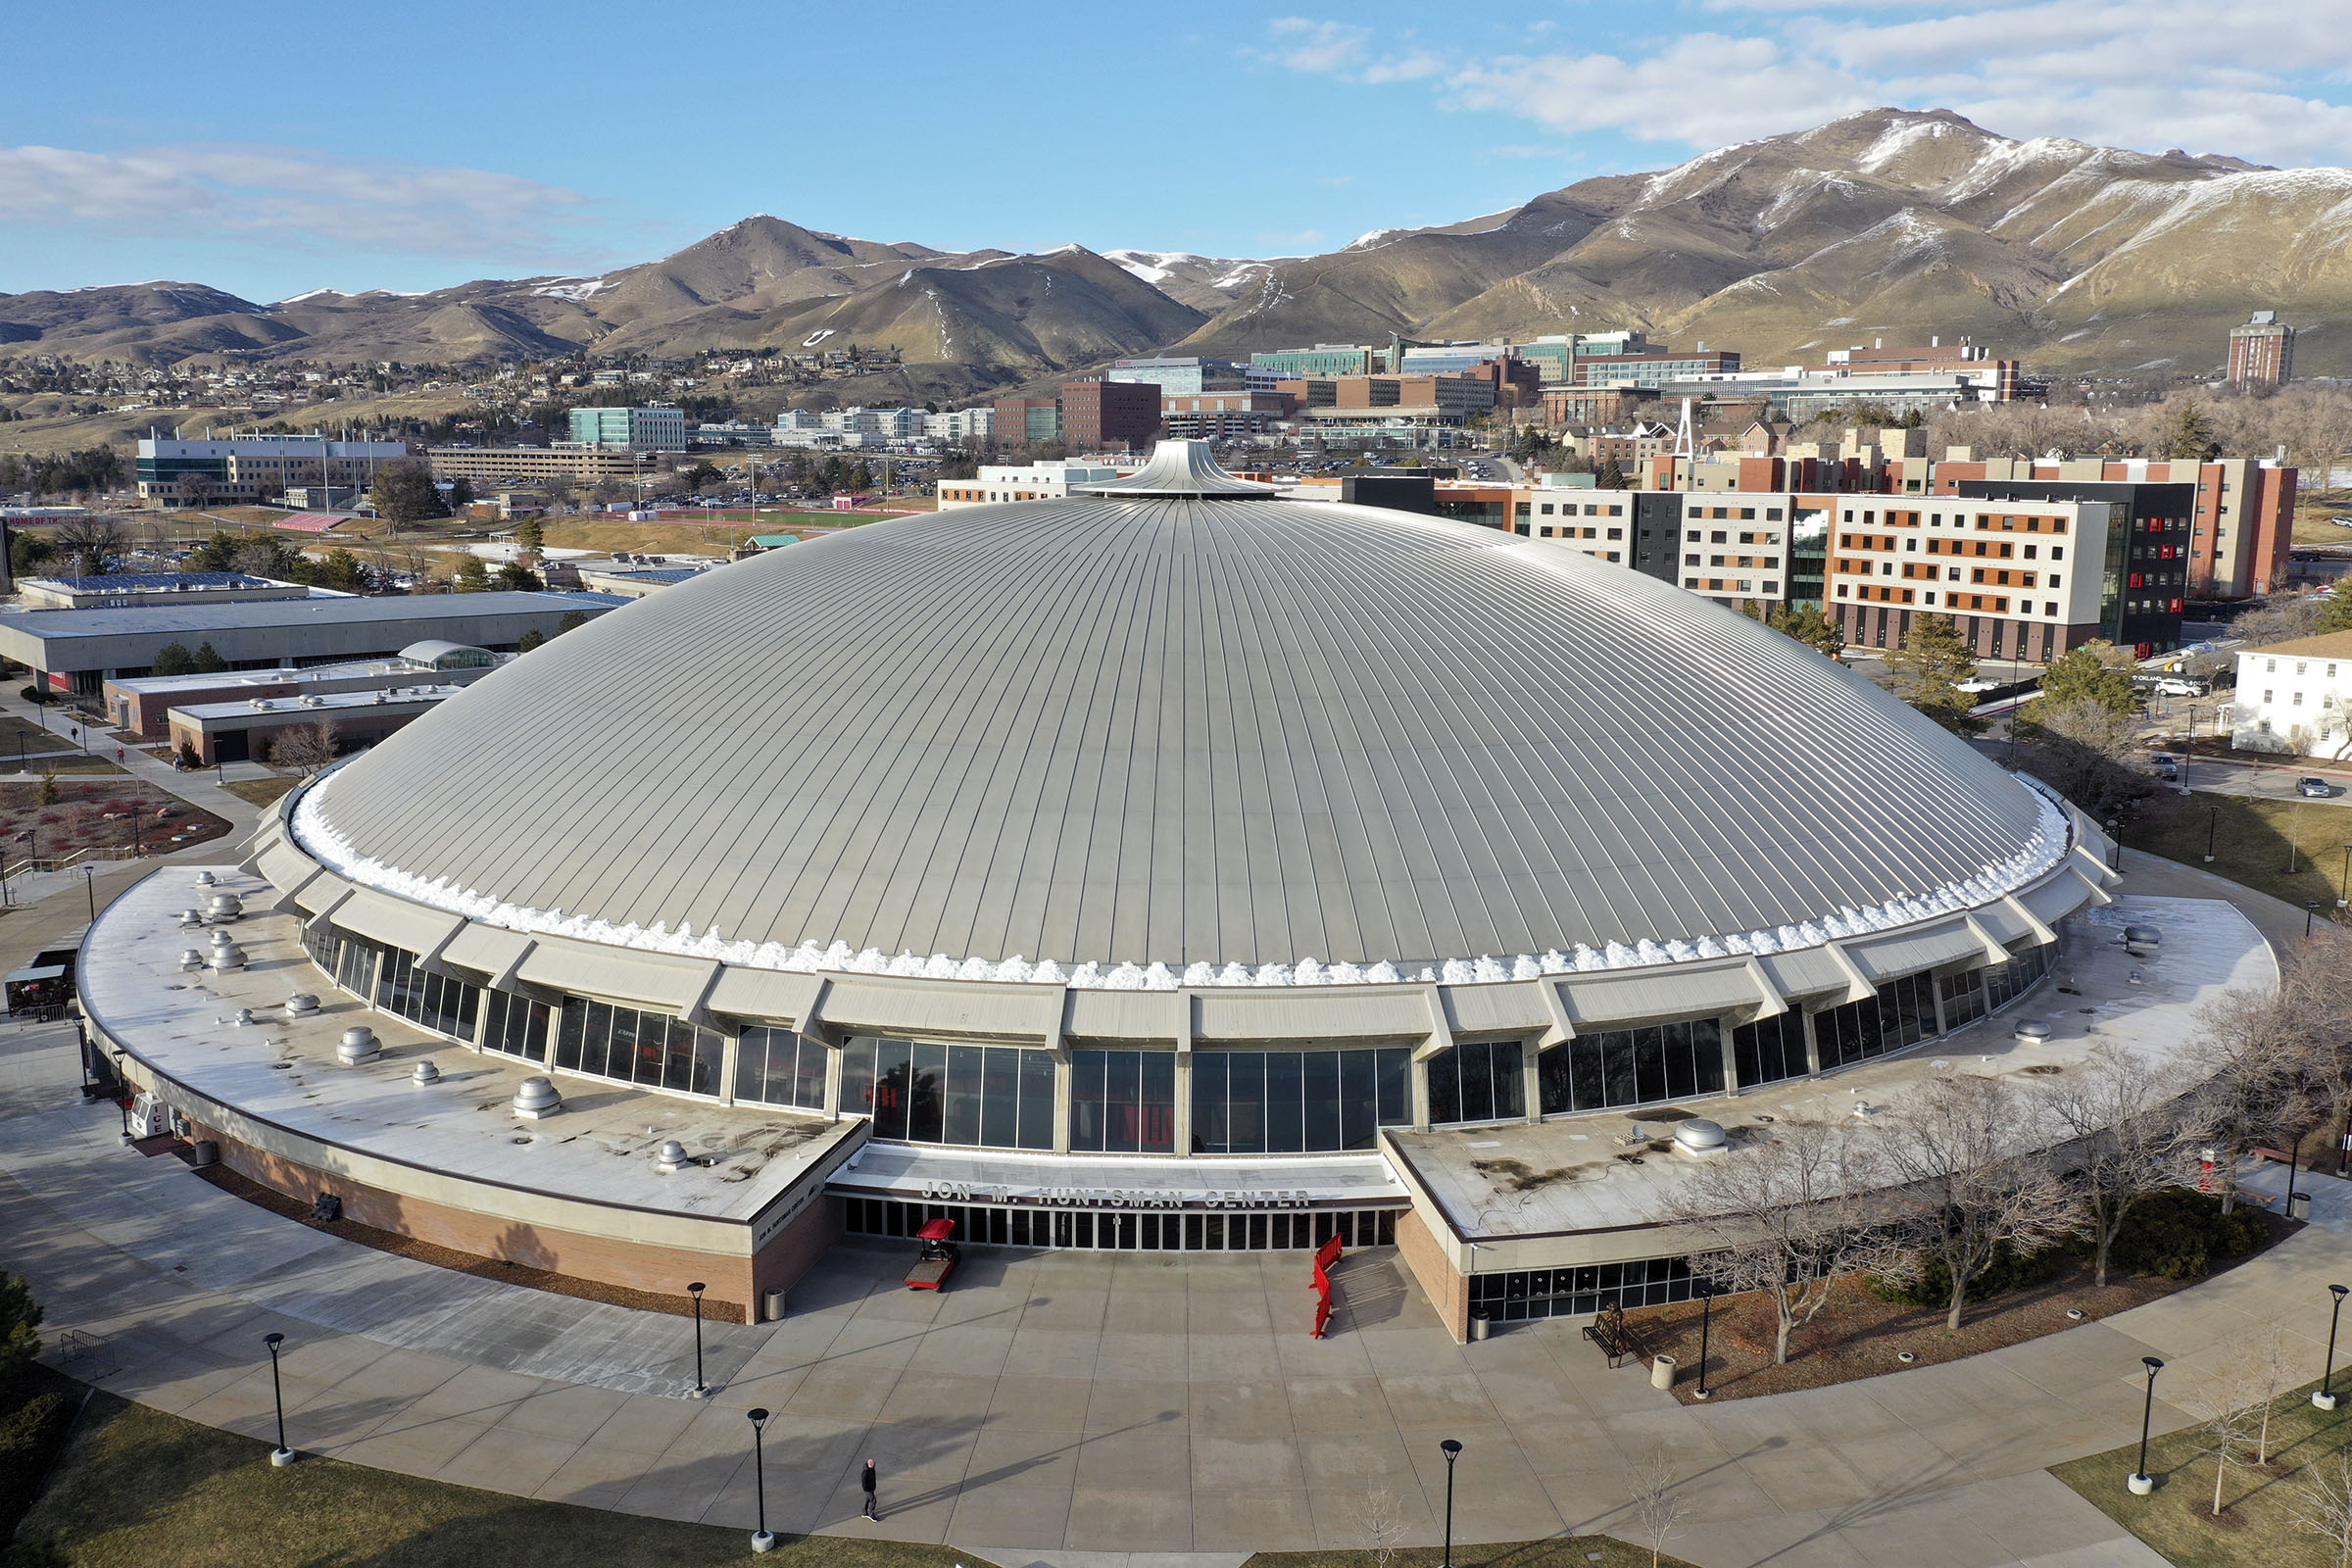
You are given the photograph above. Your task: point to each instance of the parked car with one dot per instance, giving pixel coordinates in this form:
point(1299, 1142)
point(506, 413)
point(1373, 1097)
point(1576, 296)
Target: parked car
point(2315, 787)
point(2167, 766)
point(2183, 686)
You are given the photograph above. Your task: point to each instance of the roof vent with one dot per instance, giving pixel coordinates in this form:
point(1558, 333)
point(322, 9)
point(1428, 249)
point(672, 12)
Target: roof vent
point(205, 879)
point(536, 1098)
point(359, 1043)
point(301, 1004)
point(1699, 1136)
point(671, 1157)
point(226, 956)
point(1179, 470)
point(224, 907)
point(425, 1073)
point(2034, 1032)
point(191, 960)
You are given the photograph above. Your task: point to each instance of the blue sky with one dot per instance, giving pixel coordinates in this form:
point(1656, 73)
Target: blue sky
point(268, 148)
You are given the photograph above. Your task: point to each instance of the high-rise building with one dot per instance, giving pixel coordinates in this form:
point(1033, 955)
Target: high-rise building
point(2261, 353)
point(638, 429)
point(1108, 414)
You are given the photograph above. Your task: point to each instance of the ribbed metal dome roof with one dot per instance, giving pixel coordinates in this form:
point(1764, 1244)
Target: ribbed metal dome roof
point(1178, 731)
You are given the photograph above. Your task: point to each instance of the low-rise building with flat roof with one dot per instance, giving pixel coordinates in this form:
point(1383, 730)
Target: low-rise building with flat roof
point(123, 590)
point(142, 703)
point(81, 649)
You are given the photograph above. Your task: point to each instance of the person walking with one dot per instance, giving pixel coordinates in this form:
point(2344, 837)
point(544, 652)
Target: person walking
point(865, 1484)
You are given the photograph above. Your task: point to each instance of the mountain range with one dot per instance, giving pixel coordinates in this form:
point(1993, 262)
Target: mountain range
point(1890, 224)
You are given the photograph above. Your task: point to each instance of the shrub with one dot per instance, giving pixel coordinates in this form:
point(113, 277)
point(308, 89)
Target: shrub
point(29, 1437)
point(2178, 1234)
point(2009, 1270)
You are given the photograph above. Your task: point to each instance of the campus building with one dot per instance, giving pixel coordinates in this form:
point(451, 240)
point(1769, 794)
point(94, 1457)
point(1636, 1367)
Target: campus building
point(649, 429)
point(2261, 353)
point(248, 468)
point(1029, 910)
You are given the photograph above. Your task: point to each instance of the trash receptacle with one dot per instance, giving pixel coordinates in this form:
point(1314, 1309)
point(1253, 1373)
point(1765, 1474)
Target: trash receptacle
point(1480, 1325)
point(772, 1307)
point(1662, 1372)
point(2299, 1207)
point(206, 1151)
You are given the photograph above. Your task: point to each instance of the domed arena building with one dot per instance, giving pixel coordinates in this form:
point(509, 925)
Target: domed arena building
point(1173, 866)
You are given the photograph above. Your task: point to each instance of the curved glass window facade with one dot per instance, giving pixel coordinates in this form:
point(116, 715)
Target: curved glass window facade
point(1633, 1068)
point(985, 1097)
point(1477, 1080)
point(514, 1026)
point(1297, 1101)
point(1770, 1049)
point(779, 1067)
point(646, 1049)
point(1123, 1102)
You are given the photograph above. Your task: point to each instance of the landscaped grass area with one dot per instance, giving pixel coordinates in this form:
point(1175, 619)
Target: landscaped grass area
point(261, 791)
point(137, 1486)
point(2257, 1525)
point(2250, 839)
point(1561, 1552)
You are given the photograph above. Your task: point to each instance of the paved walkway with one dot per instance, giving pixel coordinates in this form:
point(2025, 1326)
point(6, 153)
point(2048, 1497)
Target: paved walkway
point(1073, 1408)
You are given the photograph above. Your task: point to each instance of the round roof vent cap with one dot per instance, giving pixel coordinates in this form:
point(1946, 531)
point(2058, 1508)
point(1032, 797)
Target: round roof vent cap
point(425, 1073)
point(671, 1157)
point(536, 1097)
point(1699, 1136)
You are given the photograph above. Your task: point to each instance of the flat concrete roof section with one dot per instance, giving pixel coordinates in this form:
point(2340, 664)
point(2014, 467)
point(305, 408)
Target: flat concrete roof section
point(1515, 1180)
point(283, 1072)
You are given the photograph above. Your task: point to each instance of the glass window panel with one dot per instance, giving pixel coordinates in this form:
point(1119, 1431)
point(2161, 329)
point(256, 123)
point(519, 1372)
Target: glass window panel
point(1477, 1081)
point(595, 1039)
point(925, 1115)
point(1121, 1105)
point(1285, 1103)
point(1001, 1099)
point(1245, 1103)
point(1211, 1127)
point(1445, 1071)
point(961, 1121)
point(893, 1087)
point(571, 1022)
point(1155, 1102)
point(1393, 1068)
point(1037, 1100)
point(1510, 1088)
point(1649, 1070)
point(858, 1087)
point(1319, 1094)
point(1089, 1071)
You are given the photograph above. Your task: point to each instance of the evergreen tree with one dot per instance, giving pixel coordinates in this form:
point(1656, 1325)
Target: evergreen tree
point(472, 576)
point(1808, 626)
point(50, 794)
point(2096, 671)
point(517, 578)
point(530, 535)
point(2191, 438)
point(573, 621)
point(172, 659)
point(208, 661)
point(2335, 611)
point(1929, 668)
point(1612, 477)
point(530, 640)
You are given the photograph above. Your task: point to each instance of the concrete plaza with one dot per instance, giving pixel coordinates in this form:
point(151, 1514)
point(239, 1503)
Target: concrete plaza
point(1057, 1404)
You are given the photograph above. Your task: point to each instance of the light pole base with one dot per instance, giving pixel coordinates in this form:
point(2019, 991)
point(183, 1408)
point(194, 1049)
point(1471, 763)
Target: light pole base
point(2140, 1485)
point(2209, 859)
point(1703, 1393)
point(763, 1541)
point(2324, 1401)
point(283, 1457)
point(699, 1392)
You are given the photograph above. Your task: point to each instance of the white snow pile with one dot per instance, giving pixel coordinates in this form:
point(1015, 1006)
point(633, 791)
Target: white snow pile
point(333, 848)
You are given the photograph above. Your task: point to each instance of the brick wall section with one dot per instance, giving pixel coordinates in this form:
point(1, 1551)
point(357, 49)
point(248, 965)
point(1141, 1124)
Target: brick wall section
point(1447, 1291)
point(735, 1283)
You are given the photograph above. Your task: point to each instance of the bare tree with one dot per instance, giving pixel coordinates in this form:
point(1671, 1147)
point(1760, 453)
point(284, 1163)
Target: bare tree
point(1658, 1503)
point(2322, 1507)
point(2271, 1363)
point(2226, 1413)
point(1784, 1215)
point(307, 747)
point(2125, 1140)
point(2251, 1054)
point(1967, 1193)
point(1383, 1530)
point(2092, 755)
point(2319, 983)
point(93, 540)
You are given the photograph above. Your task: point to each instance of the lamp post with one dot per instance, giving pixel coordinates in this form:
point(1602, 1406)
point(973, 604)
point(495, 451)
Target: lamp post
point(2140, 1481)
point(90, 885)
point(1706, 1309)
point(282, 1455)
point(2311, 911)
point(2344, 888)
point(2213, 827)
point(122, 1097)
point(700, 1389)
point(2327, 1397)
point(762, 1541)
point(1452, 1451)
point(2115, 844)
point(2191, 750)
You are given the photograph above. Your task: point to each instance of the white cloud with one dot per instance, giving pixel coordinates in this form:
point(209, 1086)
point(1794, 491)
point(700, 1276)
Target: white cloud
point(293, 196)
point(2149, 74)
